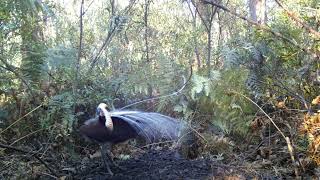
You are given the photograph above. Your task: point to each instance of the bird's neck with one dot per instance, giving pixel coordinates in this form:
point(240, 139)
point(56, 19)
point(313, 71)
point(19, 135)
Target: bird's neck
point(108, 122)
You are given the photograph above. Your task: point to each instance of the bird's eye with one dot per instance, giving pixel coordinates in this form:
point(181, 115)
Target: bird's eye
point(98, 111)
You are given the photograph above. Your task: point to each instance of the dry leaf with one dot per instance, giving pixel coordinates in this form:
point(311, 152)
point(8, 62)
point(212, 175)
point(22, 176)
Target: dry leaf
point(281, 104)
point(316, 100)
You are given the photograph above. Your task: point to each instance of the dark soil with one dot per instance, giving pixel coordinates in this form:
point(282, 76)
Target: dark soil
point(164, 164)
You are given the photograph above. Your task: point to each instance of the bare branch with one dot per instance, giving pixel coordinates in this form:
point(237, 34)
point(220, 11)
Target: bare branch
point(105, 44)
point(164, 96)
point(201, 17)
point(84, 12)
point(195, 41)
point(21, 118)
point(111, 33)
point(295, 18)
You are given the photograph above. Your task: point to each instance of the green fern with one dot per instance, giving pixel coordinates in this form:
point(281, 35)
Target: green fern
point(231, 114)
point(251, 57)
point(203, 84)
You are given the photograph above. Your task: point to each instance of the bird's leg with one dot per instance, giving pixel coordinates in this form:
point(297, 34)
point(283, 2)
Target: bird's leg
point(105, 157)
point(110, 156)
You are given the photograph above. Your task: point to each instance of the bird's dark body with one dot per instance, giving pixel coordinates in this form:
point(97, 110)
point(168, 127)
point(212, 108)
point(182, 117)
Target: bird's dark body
point(125, 125)
point(96, 131)
point(131, 124)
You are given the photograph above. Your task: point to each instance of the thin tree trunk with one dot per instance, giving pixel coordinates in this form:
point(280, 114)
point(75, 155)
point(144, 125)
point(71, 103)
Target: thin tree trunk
point(213, 12)
point(146, 29)
point(196, 50)
point(195, 39)
point(207, 21)
point(220, 36)
point(78, 63)
point(80, 44)
point(209, 46)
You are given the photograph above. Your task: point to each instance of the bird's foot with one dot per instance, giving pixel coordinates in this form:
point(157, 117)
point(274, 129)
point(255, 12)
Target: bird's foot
point(110, 172)
point(106, 166)
point(118, 167)
point(106, 169)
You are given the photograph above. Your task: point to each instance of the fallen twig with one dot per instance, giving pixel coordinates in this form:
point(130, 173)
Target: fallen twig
point(25, 136)
point(157, 143)
point(50, 175)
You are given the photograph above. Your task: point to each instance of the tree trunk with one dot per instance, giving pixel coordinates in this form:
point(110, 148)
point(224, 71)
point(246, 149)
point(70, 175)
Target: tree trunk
point(195, 39)
point(257, 10)
point(214, 10)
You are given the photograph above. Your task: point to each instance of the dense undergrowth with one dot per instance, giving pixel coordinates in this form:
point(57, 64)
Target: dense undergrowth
point(49, 86)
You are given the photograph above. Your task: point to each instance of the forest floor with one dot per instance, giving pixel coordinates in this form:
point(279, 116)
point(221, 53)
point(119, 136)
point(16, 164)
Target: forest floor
point(73, 158)
point(162, 163)
point(155, 164)
point(148, 163)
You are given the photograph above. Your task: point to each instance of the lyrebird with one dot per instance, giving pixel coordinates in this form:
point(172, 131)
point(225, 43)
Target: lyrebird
point(118, 126)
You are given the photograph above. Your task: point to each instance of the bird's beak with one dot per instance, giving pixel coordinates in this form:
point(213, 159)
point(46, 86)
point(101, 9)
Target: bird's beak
point(99, 112)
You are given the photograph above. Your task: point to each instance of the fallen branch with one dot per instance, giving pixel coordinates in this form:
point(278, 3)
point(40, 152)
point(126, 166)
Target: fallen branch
point(26, 136)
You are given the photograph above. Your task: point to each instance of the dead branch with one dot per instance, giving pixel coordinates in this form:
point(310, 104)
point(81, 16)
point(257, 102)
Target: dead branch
point(21, 118)
point(195, 41)
point(201, 17)
point(26, 136)
point(106, 43)
point(84, 11)
point(298, 20)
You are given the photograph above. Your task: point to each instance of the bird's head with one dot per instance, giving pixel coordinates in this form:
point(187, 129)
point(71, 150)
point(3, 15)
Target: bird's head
point(104, 115)
point(102, 107)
